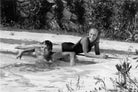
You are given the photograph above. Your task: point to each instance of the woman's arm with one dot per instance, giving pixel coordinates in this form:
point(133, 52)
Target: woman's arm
point(85, 44)
point(96, 48)
point(95, 56)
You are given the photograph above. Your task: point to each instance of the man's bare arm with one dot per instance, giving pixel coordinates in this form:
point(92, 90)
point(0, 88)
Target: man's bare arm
point(20, 54)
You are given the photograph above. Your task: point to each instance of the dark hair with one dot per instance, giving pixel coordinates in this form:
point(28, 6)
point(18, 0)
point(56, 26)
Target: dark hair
point(48, 43)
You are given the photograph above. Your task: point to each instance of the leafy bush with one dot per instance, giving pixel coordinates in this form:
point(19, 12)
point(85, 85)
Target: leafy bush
point(117, 19)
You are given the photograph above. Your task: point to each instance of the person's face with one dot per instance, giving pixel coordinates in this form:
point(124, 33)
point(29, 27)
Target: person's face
point(93, 33)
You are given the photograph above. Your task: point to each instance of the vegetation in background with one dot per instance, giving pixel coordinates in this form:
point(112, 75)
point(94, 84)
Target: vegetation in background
point(116, 19)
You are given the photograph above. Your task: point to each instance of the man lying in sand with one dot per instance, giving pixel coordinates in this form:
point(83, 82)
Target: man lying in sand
point(84, 45)
point(43, 51)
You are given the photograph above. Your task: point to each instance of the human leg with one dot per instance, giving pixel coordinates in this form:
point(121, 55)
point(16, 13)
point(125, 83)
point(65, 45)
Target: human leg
point(59, 55)
point(63, 50)
point(57, 48)
point(72, 56)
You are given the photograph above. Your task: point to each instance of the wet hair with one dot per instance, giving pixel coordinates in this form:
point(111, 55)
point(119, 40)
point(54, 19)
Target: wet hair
point(48, 43)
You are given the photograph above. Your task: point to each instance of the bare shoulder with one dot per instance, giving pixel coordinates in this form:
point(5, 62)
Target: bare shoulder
point(84, 39)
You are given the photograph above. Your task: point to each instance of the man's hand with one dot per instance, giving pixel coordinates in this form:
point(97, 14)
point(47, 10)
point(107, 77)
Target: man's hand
point(19, 56)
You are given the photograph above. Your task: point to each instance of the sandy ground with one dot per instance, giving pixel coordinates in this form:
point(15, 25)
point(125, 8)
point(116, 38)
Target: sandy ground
point(26, 76)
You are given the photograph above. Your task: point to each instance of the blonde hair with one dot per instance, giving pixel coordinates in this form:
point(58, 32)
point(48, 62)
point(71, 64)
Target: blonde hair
point(95, 29)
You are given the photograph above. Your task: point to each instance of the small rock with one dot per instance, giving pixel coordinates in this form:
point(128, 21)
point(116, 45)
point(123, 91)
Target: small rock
point(12, 33)
point(105, 56)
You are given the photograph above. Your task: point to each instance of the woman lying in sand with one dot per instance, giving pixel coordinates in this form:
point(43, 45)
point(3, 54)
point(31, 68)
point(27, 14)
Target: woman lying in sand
point(84, 45)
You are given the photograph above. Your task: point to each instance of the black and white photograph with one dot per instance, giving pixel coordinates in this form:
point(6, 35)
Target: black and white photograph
point(68, 45)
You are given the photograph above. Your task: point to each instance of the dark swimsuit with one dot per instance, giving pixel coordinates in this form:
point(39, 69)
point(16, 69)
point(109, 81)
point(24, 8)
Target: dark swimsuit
point(78, 47)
